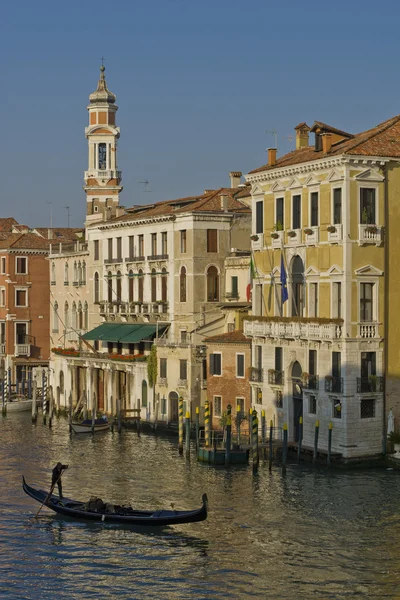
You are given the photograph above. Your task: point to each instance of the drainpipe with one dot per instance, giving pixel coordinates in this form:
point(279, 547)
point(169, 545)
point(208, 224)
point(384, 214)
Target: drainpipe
point(386, 303)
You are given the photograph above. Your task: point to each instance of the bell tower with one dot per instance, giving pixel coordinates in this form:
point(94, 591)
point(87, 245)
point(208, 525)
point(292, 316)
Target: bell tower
point(102, 179)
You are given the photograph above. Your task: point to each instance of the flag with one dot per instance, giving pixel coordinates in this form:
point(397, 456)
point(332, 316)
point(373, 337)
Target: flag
point(285, 294)
point(252, 274)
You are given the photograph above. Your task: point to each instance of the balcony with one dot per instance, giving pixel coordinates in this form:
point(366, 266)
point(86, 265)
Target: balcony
point(257, 241)
point(232, 295)
point(370, 234)
point(277, 239)
point(22, 349)
point(311, 236)
point(275, 377)
point(182, 383)
point(294, 237)
point(158, 257)
point(334, 385)
point(113, 261)
point(294, 328)
point(173, 343)
point(310, 382)
point(368, 385)
point(162, 382)
point(335, 233)
point(130, 259)
point(368, 330)
point(106, 174)
point(2, 349)
point(52, 282)
point(256, 375)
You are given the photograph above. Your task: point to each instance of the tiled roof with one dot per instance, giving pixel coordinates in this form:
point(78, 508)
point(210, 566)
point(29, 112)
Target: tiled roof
point(7, 223)
point(23, 241)
point(233, 337)
point(382, 140)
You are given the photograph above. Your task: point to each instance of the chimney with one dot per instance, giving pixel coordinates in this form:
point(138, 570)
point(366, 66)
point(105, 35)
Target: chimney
point(235, 178)
point(326, 142)
point(271, 157)
point(208, 191)
point(49, 234)
point(302, 131)
point(224, 203)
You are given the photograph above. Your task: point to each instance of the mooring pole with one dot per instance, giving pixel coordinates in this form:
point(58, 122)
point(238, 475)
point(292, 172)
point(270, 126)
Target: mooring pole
point(51, 405)
point(94, 400)
point(9, 385)
point(300, 439)
point(180, 425)
point(187, 434)
point(197, 423)
point(207, 424)
point(30, 385)
point(316, 442)
point(238, 411)
point(228, 439)
point(329, 444)
point(70, 411)
point(3, 399)
point(138, 417)
point(284, 448)
point(34, 401)
point(263, 434)
point(255, 440)
point(250, 426)
point(119, 415)
point(271, 432)
point(44, 396)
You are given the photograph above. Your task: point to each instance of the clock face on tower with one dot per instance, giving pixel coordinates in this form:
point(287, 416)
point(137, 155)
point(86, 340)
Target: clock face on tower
point(102, 157)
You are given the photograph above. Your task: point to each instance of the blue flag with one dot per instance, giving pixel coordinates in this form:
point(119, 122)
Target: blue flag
point(285, 294)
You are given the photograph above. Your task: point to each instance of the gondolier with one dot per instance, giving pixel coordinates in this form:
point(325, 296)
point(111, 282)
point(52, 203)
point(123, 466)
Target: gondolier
point(56, 477)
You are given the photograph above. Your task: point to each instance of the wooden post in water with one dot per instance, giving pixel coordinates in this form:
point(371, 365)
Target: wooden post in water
point(263, 434)
point(138, 418)
point(250, 425)
point(180, 425)
point(187, 434)
point(119, 423)
point(3, 399)
point(44, 396)
point(300, 439)
point(238, 416)
point(329, 444)
point(9, 385)
point(197, 423)
point(30, 385)
point(316, 442)
point(207, 424)
point(271, 432)
point(34, 401)
point(94, 409)
point(228, 439)
point(51, 405)
point(85, 405)
point(70, 411)
point(255, 440)
point(284, 448)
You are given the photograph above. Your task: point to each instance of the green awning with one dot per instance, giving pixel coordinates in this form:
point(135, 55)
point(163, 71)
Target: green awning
point(102, 332)
point(123, 332)
point(142, 332)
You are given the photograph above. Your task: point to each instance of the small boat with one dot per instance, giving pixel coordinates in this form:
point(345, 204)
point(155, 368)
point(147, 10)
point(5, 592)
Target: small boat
point(101, 424)
point(18, 405)
point(97, 510)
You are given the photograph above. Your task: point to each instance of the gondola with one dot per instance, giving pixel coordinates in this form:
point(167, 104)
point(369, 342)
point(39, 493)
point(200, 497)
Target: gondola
point(108, 513)
point(88, 426)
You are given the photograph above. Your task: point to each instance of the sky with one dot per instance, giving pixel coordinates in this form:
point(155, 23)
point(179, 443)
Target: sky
point(200, 85)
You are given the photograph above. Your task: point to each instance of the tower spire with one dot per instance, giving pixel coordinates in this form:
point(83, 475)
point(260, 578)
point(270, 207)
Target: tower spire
point(102, 93)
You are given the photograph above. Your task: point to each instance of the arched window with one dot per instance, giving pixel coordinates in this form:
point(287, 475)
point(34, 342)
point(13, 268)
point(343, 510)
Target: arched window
point(66, 316)
point(79, 273)
point(80, 316)
point(53, 272)
point(61, 382)
point(96, 288)
point(102, 156)
point(164, 282)
point(119, 287)
point(130, 286)
point(73, 323)
point(75, 272)
point(85, 316)
point(182, 285)
point(109, 287)
point(140, 285)
point(144, 393)
point(84, 273)
point(55, 317)
point(212, 284)
point(297, 287)
point(153, 285)
point(66, 274)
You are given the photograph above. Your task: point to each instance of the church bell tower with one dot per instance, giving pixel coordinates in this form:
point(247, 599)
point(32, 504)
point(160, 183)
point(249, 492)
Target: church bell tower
point(102, 179)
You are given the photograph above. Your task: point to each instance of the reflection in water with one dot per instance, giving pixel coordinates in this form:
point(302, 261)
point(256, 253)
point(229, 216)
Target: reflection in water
point(312, 534)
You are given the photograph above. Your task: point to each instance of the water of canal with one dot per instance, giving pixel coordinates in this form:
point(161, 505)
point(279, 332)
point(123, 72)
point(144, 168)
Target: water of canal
point(311, 534)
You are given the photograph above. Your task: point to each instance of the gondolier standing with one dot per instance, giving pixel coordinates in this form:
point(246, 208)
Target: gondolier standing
point(56, 477)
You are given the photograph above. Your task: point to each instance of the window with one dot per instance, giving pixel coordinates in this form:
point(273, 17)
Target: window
point(337, 206)
point(368, 366)
point(212, 240)
point(85, 316)
point(61, 382)
point(184, 336)
point(66, 274)
point(367, 206)
point(258, 303)
point(119, 248)
point(163, 368)
point(74, 323)
point(337, 408)
point(55, 318)
point(183, 369)
point(83, 274)
point(21, 333)
point(3, 265)
point(119, 287)
point(66, 316)
point(163, 406)
point(153, 285)
point(131, 247)
point(337, 300)
point(240, 406)
point(140, 285)
point(239, 365)
point(110, 249)
point(279, 222)
point(144, 393)
point(212, 284)
point(164, 246)
point(141, 245)
point(231, 327)
point(318, 142)
point(21, 297)
point(2, 296)
point(53, 273)
point(313, 300)
point(96, 289)
point(366, 302)
point(154, 244)
point(234, 287)
point(312, 405)
point(336, 380)
point(96, 250)
point(367, 408)
point(278, 358)
point(314, 209)
point(182, 285)
point(296, 212)
point(130, 286)
point(260, 216)
point(102, 157)
point(183, 241)
point(21, 265)
point(312, 362)
point(217, 406)
point(164, 284)
point(215, 364)
point(109, 287)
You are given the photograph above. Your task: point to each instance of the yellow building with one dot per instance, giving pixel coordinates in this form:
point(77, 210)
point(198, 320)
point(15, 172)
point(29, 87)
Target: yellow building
point(325, 229)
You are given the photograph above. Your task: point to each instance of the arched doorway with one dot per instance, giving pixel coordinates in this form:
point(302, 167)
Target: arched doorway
point(297, 287)
point(173, 407)
point(297, 394)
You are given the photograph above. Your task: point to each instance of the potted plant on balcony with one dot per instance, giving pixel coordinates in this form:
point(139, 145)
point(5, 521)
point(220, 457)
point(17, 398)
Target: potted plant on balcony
point(278, 227)
point(274, 235)
point(291, 233)
point(394, 437)
point(254, 238)
point(331, 228)
point(304, 378)
point(308, 231)
point(371, 228)
point(373, 380)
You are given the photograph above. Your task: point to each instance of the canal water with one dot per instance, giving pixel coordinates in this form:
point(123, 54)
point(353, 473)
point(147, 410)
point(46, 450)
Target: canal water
point(311, 534)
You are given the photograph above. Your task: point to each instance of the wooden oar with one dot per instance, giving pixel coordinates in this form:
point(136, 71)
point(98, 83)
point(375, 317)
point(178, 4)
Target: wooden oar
point(50, 493)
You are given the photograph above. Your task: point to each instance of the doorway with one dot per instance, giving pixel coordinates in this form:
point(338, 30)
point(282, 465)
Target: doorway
point(173, 407)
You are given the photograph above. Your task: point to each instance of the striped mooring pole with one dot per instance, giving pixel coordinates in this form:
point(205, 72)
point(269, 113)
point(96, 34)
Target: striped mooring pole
point(263, 434)
point(207, 423)
point(316, 441)
point(180, 413)
point(9, 385)
point(228, 440)
point(187, 434)
point(300, 439)
point(44, 396)
point(284, 448)
point(329, 444)
point(254, 428)
point(250, 426)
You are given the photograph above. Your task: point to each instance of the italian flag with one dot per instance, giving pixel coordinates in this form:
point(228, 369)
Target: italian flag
point(252, 274)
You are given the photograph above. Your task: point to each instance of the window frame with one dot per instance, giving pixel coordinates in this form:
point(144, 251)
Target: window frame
point(309, 407)
point(21, 289)
point(211, 369)
point(96, 250)
point(312, 193)
point(211, 242)
point(183, 240)
point(26, 272)
point(374, 300)
point(259, 217)
point(313, 285)
point(163, 367)
point(3, 291)
point(183, 362)
point(334, 188)
point(277, 198)
point(375, 188)
point(3, 265)
point(292, 211)
point(240, 355)
point(336, 314)
point(215, 412)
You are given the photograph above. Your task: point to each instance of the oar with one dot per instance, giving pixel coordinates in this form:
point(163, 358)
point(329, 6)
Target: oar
point(50, 493)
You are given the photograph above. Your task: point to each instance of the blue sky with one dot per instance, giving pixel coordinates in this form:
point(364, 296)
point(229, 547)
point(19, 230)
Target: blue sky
point(198, 84)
